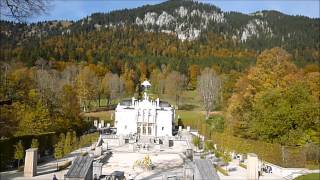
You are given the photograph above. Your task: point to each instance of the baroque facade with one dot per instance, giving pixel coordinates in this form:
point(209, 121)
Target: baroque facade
point(144, 117)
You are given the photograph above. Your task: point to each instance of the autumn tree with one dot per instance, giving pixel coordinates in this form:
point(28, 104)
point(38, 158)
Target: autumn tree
point(34, 120)
point(129, 78)
point(158, 78)
point(194, 72)
point(209, 89)
point(87, 85)
point(284, 116)
point(117, 85)
point(273, 102)
point(175, 85)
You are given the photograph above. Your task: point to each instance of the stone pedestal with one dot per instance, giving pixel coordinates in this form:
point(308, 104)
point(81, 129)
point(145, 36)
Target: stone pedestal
point(252, 167)
point(98, 151)
point(95, 123)
point(97, 169)
point(108, 124)
point(189, 153)
point(121, 140)
point(166, 141)
point(180, 128)
point(131, 147)
point(241, 158)
point(105, 146)
point(188, 128)
point(188, 173)
point(93, 146)
point(102, 123)
point(30, 162)
point(158, 147)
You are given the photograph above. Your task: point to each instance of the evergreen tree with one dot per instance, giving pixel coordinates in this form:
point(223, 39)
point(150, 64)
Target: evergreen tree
point(19, 152)
point(67, 144)
point(74, 142)
point(59, 148)
point(34, 143)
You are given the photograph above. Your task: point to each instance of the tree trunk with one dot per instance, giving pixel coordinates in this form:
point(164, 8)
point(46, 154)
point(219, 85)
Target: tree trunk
point(18, 163)
point(207, 115)
point(99, 96)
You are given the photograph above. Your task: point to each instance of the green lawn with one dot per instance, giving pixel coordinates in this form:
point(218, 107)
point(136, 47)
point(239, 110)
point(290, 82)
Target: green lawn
point(189, 98)
point(190, 118)
point(103, 115)
point(313, 176)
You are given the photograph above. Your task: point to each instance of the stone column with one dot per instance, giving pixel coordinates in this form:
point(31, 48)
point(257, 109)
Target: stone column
point(30, 162)
point(97, 169)
point(147, 129)
point(252, 167)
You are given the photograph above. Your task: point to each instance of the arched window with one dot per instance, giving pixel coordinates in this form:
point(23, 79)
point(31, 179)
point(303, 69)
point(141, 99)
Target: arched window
point(138, 130)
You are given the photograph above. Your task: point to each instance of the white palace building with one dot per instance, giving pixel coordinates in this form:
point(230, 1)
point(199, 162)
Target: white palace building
point(144, 117)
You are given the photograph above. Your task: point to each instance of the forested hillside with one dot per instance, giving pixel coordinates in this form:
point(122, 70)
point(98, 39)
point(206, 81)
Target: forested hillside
point(180, 29)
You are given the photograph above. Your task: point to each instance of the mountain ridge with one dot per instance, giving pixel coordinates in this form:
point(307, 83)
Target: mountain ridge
point(186, 21)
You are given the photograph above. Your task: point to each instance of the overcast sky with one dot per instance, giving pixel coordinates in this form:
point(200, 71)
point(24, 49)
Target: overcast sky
point(77, 9)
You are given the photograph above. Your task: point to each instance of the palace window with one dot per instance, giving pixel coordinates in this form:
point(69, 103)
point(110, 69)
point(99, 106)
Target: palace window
point(149, 130)
point(138, 130)
point(143, 130)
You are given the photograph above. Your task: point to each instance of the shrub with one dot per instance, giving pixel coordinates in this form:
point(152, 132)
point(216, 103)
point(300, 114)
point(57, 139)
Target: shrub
point(223, 171)
point(196, 141)
point(243, 165)
point(84, 154)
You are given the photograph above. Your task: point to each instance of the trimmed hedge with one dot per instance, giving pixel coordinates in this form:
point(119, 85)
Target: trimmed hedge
point(274, 153)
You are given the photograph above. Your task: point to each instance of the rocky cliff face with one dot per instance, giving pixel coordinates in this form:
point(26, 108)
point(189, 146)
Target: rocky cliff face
point(179, 22)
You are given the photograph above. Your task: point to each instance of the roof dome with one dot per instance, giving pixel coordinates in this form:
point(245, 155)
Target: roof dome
point(146, 83)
